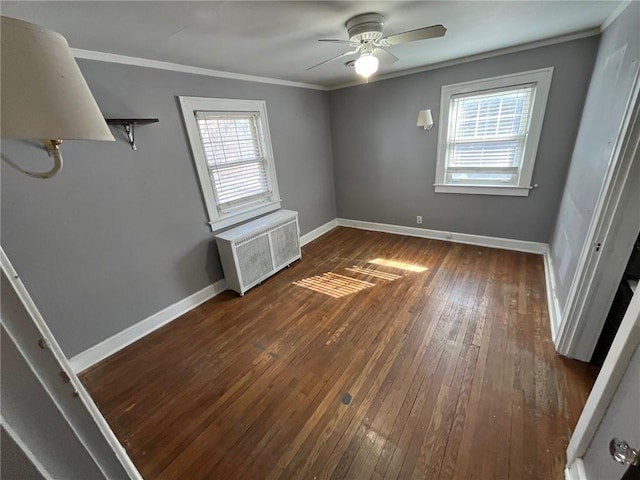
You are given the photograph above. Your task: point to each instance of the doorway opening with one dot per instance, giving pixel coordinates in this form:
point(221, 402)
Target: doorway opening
point(626, 288)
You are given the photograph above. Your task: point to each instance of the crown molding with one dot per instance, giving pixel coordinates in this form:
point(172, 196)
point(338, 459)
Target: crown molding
point(479, 56)
point(176, 67)
point(615, 14)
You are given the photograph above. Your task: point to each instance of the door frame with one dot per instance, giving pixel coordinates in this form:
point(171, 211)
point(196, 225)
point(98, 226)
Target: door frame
point(16, 331)
point(593, 287)
point(615, 365)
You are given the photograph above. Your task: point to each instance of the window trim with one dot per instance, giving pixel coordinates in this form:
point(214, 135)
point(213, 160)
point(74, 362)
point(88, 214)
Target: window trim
point(218, 220)
point(542, 79)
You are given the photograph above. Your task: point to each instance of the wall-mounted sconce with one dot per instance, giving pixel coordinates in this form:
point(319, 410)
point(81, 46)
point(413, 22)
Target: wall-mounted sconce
point(425, 119)
point(44, 95)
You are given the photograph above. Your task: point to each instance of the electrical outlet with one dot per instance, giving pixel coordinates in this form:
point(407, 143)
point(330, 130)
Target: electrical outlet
point(419, 219)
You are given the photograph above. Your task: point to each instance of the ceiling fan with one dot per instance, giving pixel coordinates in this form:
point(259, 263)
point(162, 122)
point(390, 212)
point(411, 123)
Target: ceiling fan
point(365, 37)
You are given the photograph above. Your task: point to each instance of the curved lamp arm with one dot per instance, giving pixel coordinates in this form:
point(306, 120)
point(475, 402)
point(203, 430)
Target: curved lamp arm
point(53, 148)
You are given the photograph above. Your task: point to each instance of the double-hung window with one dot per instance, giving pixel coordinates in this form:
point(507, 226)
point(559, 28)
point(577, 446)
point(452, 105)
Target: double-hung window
point(489, 133)
point(232, 151)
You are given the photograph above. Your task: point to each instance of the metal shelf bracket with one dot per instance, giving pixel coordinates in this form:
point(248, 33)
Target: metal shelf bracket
point(129, 126)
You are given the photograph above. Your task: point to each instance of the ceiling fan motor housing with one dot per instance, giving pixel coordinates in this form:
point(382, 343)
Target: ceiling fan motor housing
point(365, 28)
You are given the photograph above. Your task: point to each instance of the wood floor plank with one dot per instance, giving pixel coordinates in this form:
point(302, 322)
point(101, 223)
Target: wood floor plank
point(442, 368)
point(460, 416)
point(467, 457)
point(360, 391)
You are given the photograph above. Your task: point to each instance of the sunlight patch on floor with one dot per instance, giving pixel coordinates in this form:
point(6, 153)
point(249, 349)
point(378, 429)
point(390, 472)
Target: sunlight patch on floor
point(374, 273)
point(334, 285)
point(401, 265)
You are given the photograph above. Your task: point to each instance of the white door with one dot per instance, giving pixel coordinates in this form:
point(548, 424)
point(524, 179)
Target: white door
point(612, 409)
point(614, 230)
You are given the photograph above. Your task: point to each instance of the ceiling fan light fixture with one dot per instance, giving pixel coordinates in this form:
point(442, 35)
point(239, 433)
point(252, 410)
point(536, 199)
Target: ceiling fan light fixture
point(367, 40)
point(366, 65)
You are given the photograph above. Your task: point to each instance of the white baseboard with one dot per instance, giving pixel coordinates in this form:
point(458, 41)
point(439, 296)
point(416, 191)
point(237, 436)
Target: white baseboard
point(575, 471)
point(117, 342)
point(480, 240)
point(318, 232)
point(555, 315)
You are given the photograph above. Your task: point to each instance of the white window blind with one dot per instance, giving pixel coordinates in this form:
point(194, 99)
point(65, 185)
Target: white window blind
point(234, 160)
point(487, 134)
point(235, 156)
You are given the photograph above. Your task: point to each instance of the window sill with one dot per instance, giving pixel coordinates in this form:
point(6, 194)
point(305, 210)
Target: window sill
point(509, 190)
point(242, 216)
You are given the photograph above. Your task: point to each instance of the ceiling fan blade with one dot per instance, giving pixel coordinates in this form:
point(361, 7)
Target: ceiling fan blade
point(385, 56)
point(434, 31)
point(333, 40)
point(334, 58)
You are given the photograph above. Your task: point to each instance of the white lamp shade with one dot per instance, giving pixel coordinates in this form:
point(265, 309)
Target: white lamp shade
point(44, 95)
point(366, 65)
point(425, 119)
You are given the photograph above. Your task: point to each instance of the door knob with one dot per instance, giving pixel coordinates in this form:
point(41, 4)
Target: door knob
point(623, 453)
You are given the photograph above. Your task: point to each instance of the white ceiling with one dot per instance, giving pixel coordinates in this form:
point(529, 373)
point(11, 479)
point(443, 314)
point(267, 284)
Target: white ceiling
point(279, 39)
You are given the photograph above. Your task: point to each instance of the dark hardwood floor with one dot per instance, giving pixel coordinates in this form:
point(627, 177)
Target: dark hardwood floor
point(371, 372)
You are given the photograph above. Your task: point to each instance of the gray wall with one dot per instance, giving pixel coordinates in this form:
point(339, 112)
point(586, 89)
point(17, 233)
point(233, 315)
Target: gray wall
point(14, 463)
point(119, 235)
point(385, 166)
point(603, 112)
